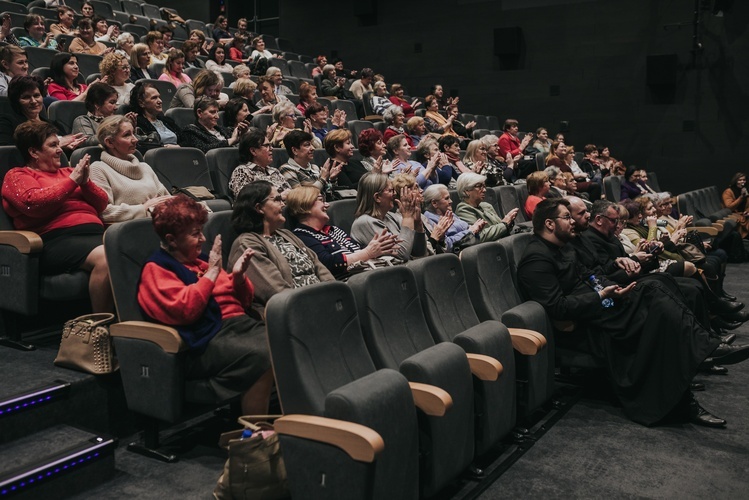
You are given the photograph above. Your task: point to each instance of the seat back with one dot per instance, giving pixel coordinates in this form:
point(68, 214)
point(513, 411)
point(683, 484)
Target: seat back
point(390, 312)
point(280, 64)
point(221, 163)
point(346, 106)
point(88, 63)
point(128, 245)
point(219, 223)
point(653, 181)
point(262, 121)
point(39, 57)
point(508, 200)
point(357, 127)
point(180, 167)
point(341, 213)
point(181, 116)
point(298, 69)
point(166, 90)
point(94, 153)
point(489, 280)
point(612, 187)
point(323, 368)
point(63, 113)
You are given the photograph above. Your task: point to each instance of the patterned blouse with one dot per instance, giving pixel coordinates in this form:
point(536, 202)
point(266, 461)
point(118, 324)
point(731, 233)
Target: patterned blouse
point(251, 172)
point(302, 267)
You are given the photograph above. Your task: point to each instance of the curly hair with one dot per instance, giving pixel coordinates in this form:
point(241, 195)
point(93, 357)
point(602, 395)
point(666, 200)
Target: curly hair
point(367, 140)
point(245, 218)
point(111, 62)
point(176, 215)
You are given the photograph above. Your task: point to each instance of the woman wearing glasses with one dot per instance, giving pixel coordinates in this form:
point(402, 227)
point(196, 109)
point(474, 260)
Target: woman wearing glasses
point(256, 156)
point(280, 260)
point(472, 208)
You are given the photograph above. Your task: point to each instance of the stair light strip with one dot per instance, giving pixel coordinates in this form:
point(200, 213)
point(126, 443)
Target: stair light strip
point(32, 398)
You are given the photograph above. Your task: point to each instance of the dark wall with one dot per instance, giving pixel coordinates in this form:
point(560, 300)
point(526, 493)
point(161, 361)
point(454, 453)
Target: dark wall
point(594, 52)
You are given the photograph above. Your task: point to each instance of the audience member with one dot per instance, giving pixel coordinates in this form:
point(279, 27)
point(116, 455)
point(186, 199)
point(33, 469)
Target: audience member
point(65, 20)
point(103, 32)
point(37, 34)
point(416, 130)
point(220, 30)
point(208, 306)
point(206, 84)
point(538, 187)
point(372, 148)
point(115, 68)
point(340, 149)
point(175, 62)
point(255, 157)
point(124, 44)
point(206, 133)
point(155, 42)
point(307, 97)
point(394, 119)
point(63, 70)
point(472, 208)
point(85, 43)
point(396, 97)
point(217, 60)
point(13, 62)
point(300, 170)
point(456, 235)
point(380, 100)
point(434, 121)
point(191, 50)
point(140, 59)
point(317, 115)
point(61, 205)
point(734, 198)
point(280, 260)
point(509, 142)
point(275, 75)
point(101, 103)
point(145, 102)
point(375, 199)
point(363, 84)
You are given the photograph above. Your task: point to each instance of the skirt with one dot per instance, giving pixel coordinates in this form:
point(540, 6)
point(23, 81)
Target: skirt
point(66, 249)
point(235, 358)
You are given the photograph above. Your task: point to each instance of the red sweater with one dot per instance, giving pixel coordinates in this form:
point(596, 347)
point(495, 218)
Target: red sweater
point(42, 201)
point(408, 111)
point(236, 54)
point(63, 93)
point(165, 298)
point(508, 143)
point(391, 132)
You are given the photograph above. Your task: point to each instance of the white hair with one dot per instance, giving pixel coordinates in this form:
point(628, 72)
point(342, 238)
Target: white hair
point(467, 181)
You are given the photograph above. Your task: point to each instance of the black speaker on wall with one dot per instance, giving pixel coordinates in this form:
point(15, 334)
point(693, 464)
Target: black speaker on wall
point(509, 47)
point(662, 70)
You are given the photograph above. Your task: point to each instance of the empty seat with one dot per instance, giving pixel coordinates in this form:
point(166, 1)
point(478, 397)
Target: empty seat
point(341, 213)
point(102, 8)
point(280, 64)
point(346, 106)
point(152, 11)
point(298, 70)
point(397, 337)
point(135, 29)
point(88, 63)
point(357, 127)
point(38, 57)
point(490, 281)
point(221, 163)
point(13, 7)
point(262, 121)
point(181, 116)
point(132, 7)
point(322, 368)
point(612, 187)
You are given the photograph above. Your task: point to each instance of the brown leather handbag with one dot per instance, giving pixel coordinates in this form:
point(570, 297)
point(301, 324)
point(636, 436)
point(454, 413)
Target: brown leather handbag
point(86, 345)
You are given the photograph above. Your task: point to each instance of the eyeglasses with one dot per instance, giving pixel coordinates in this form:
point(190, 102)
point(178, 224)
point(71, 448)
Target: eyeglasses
point(565, 217)
point(266, 145)
point(479, 186)
point(613, 220)
point(278, 199)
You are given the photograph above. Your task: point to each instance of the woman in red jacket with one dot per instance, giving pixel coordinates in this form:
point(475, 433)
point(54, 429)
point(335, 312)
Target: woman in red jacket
point(62, 205)
point(182, 287)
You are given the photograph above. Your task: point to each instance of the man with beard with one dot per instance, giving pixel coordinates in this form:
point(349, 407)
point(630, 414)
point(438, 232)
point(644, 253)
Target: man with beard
point(650, 343)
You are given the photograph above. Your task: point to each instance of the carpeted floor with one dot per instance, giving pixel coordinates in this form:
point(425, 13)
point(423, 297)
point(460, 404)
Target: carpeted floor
point(593, 451)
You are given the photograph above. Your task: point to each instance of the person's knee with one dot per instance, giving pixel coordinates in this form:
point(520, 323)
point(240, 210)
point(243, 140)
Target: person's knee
point(689, 269)
point(98, 259)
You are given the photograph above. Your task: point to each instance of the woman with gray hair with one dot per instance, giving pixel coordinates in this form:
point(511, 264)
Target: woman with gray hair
point(132, 186)
point(498, 171)
point(124, 44)
point(380, 101)
point(284, 118)
point(437, 209)
point(394, 119)
point(472, 207)
point(375, 199)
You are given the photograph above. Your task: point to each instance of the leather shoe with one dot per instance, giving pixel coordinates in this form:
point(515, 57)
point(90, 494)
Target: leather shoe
point(718, 322)
point(700, 416)
point(740, 316)
point(726, 354)
point(727, 338)
point(723, 295)
point(723, 307)
point(696, 386)
point(709, 369)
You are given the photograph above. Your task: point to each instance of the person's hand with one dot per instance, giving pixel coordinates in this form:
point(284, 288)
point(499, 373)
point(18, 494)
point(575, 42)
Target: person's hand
point(72, 141)
point(408, 204)
point(479, 166)
point(47, 38)
point(270, 131)
point(133, 117)
point(477, 226)
point(242, 264)
point(651, 221)
point(630, 266)
point(155, 201)
point(339, 118)
point(510, 217)
point(616, 291)
point(108, 51)
point(280, 134)
point(677, 235)
point(643, 256)
point(450, 119)
point(111, 31)
point(383, 243)
point(307, 124)
point(79, 175)
point(444, 224)
point(744, 192)
point(6, 26)
point(526, 140)
point(443, 160)
point(214, 260)
point(471, 124)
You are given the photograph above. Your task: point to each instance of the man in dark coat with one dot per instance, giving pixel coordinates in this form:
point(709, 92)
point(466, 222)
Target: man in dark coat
point(648, 339)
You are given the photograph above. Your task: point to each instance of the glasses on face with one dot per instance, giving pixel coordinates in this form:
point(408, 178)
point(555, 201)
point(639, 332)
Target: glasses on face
point(277, 198)
point(567, 217)
point(479, 187)
point(613, 220)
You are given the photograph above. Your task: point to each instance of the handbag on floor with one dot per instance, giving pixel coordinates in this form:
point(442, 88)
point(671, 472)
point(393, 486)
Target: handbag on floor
point(86, 345)
point(255, 468)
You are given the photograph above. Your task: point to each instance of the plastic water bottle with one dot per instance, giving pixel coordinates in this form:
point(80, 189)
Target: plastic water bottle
point(598, 287)
point(247, 433)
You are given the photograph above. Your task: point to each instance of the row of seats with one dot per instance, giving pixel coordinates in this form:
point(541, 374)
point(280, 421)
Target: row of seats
point(435, 321)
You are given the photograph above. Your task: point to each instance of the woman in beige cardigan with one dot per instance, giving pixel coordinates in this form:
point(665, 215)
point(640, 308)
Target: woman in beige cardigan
point(281, 260)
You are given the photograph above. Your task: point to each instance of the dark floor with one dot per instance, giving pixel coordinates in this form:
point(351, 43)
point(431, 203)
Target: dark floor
point(586, 450)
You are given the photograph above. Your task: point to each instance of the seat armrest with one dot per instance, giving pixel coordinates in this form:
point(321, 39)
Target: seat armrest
point(484, 367)
point(717, 226)
point(430, 399)
point(526, 342)
point(359, 442)
point(164, 336)
point(710, 231)
point(23, 241)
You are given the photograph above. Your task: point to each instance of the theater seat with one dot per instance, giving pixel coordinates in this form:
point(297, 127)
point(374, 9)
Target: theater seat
point(451, 318)
point(341, 213)
point(181, 116)
point(491, 286)
point(612, 187)
point(323, 369)
point(221, 163)
point(398, 338)
point(63, 113)
point(166, 89)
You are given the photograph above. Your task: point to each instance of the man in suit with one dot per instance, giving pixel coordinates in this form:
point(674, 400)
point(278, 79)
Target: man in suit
point(649, 341)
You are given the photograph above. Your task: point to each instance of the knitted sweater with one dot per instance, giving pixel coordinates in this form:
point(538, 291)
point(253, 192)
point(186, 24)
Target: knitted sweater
point(128, 185)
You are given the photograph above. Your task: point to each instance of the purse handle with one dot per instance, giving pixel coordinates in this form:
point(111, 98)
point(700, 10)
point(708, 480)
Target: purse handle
point(96, 319)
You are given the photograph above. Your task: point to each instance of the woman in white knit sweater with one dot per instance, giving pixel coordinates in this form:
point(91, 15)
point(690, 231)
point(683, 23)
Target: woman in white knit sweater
point(131, 185)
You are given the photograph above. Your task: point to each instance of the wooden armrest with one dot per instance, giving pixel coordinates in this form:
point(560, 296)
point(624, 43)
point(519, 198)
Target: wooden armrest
point(359, 442)
point(484, 367)
point(717, 226)
point(564, 326)
point(526, 341)
point(710, 231)
point(430, 399)
point(373, 118)
point(164, 336)
point(23, 241)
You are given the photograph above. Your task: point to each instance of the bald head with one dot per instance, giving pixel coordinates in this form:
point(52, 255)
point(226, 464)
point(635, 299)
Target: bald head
point(579, 213)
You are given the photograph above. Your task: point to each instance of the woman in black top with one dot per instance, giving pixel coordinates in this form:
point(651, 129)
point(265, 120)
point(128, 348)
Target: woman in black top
point(145, 101)
point(206, 134)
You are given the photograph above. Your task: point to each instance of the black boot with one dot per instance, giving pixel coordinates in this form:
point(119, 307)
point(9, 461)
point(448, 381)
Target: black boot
point(700, 416)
